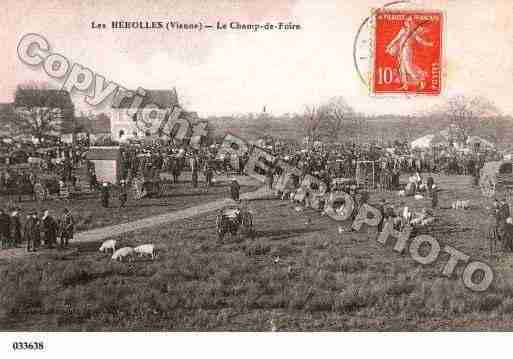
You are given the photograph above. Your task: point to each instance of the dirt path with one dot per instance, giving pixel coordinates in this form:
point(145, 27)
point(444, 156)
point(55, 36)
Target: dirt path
point(100, 234)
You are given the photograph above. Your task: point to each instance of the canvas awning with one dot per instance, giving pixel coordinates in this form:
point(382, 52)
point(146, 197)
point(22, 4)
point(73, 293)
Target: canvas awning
point(429, 141)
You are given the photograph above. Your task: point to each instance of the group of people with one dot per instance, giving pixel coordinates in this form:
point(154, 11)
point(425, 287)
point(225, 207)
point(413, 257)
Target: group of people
point(339, 160)
point(502, 230)
point(36, 231)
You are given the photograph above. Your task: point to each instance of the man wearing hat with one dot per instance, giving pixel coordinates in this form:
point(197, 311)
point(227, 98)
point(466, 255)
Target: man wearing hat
point(105, 194)
point(49, 227)
point(67, 227)
point(16, 227)
point(234, 189)
point(194, 169)
point(31, 232)
point(209, 173)
point(123, 193)
point(5, 228)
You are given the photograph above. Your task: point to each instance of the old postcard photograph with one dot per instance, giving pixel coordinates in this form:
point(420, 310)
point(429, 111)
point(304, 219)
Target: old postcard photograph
point(234, 166)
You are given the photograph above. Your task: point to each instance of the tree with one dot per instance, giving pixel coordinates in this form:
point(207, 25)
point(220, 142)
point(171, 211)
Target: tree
point(40, 111)
point(466, 113)
point(327, 120)
point(335, 115)
point(311, 122)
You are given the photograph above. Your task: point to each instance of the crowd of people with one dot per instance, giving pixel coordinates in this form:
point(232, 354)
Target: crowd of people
point(36, 230)
point(331, 161)
point(142, 160)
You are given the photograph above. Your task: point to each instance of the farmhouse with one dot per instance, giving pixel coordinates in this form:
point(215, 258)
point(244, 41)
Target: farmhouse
point(122, 123)
point(94, 127)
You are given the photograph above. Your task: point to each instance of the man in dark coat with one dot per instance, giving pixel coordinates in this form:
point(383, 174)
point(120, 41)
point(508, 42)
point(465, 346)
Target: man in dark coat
point(49, 228)
point(234, 189)
point(209, 173)
point(67, 229)
point(508, 235)
point(123, 193)
point(5, 228)
point(105, 194)
point(434, 196)
point(31, 232)
point(502, 214)
point(16, 228)
point(194, 176)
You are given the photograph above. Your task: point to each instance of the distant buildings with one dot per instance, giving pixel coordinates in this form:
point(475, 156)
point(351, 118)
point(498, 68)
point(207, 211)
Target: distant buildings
point(122, 122)
point(93, 126)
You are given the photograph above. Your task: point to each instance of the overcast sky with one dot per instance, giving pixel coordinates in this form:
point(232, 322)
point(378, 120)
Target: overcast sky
point(219, 73)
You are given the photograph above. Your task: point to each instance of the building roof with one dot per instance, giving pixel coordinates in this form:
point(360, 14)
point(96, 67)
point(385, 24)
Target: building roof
point(103, 153)
point(96, 125)
point(161, 98)
point(43, 98)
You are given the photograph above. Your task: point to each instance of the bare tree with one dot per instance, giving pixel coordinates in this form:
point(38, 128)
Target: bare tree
point(40, 111)
point(326, 120)
point(466, 113)
point(312, 119)
point(336, 114)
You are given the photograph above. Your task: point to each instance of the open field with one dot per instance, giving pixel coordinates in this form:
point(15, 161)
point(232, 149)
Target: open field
point(298, 274)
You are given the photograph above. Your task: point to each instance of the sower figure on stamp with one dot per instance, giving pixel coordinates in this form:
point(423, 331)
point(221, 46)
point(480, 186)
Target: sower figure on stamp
point(402, 48)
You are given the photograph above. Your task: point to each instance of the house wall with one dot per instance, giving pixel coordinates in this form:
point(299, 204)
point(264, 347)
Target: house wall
point(106, 170)
point(121, 119)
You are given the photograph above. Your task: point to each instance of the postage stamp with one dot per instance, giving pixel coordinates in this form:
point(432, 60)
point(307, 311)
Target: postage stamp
point(407, 52)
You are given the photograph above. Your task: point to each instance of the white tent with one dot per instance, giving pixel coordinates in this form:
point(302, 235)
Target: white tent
point(423, 142)
point(474, 140)
point(428, 141)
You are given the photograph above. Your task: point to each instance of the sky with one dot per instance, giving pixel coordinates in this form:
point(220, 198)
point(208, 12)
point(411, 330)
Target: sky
point(227, 72)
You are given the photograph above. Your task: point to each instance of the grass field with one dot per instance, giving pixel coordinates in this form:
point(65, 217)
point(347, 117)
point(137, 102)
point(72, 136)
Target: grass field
point(297, 274)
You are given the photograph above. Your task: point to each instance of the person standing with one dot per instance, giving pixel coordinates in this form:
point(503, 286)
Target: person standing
point(5, 228)
point(234, 190)
point(175, 169)
point(194, 170)
point(209, 173)
point(67, 228)
point(269, 179)
point(105, 194)
point(16, 228)
point(31, 232)
point(508, 235)
point(434, 196)
point(49, 227)
point(123, 193)
point(93, 182)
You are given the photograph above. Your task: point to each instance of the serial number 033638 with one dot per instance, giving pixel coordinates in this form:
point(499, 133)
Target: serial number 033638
point(28, 346)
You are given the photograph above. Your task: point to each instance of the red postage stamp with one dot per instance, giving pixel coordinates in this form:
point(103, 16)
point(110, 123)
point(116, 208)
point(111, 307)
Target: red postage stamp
point(407, 52)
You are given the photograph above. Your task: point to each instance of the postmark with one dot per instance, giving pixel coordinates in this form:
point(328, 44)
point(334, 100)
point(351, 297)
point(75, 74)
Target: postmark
point(407, 52)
